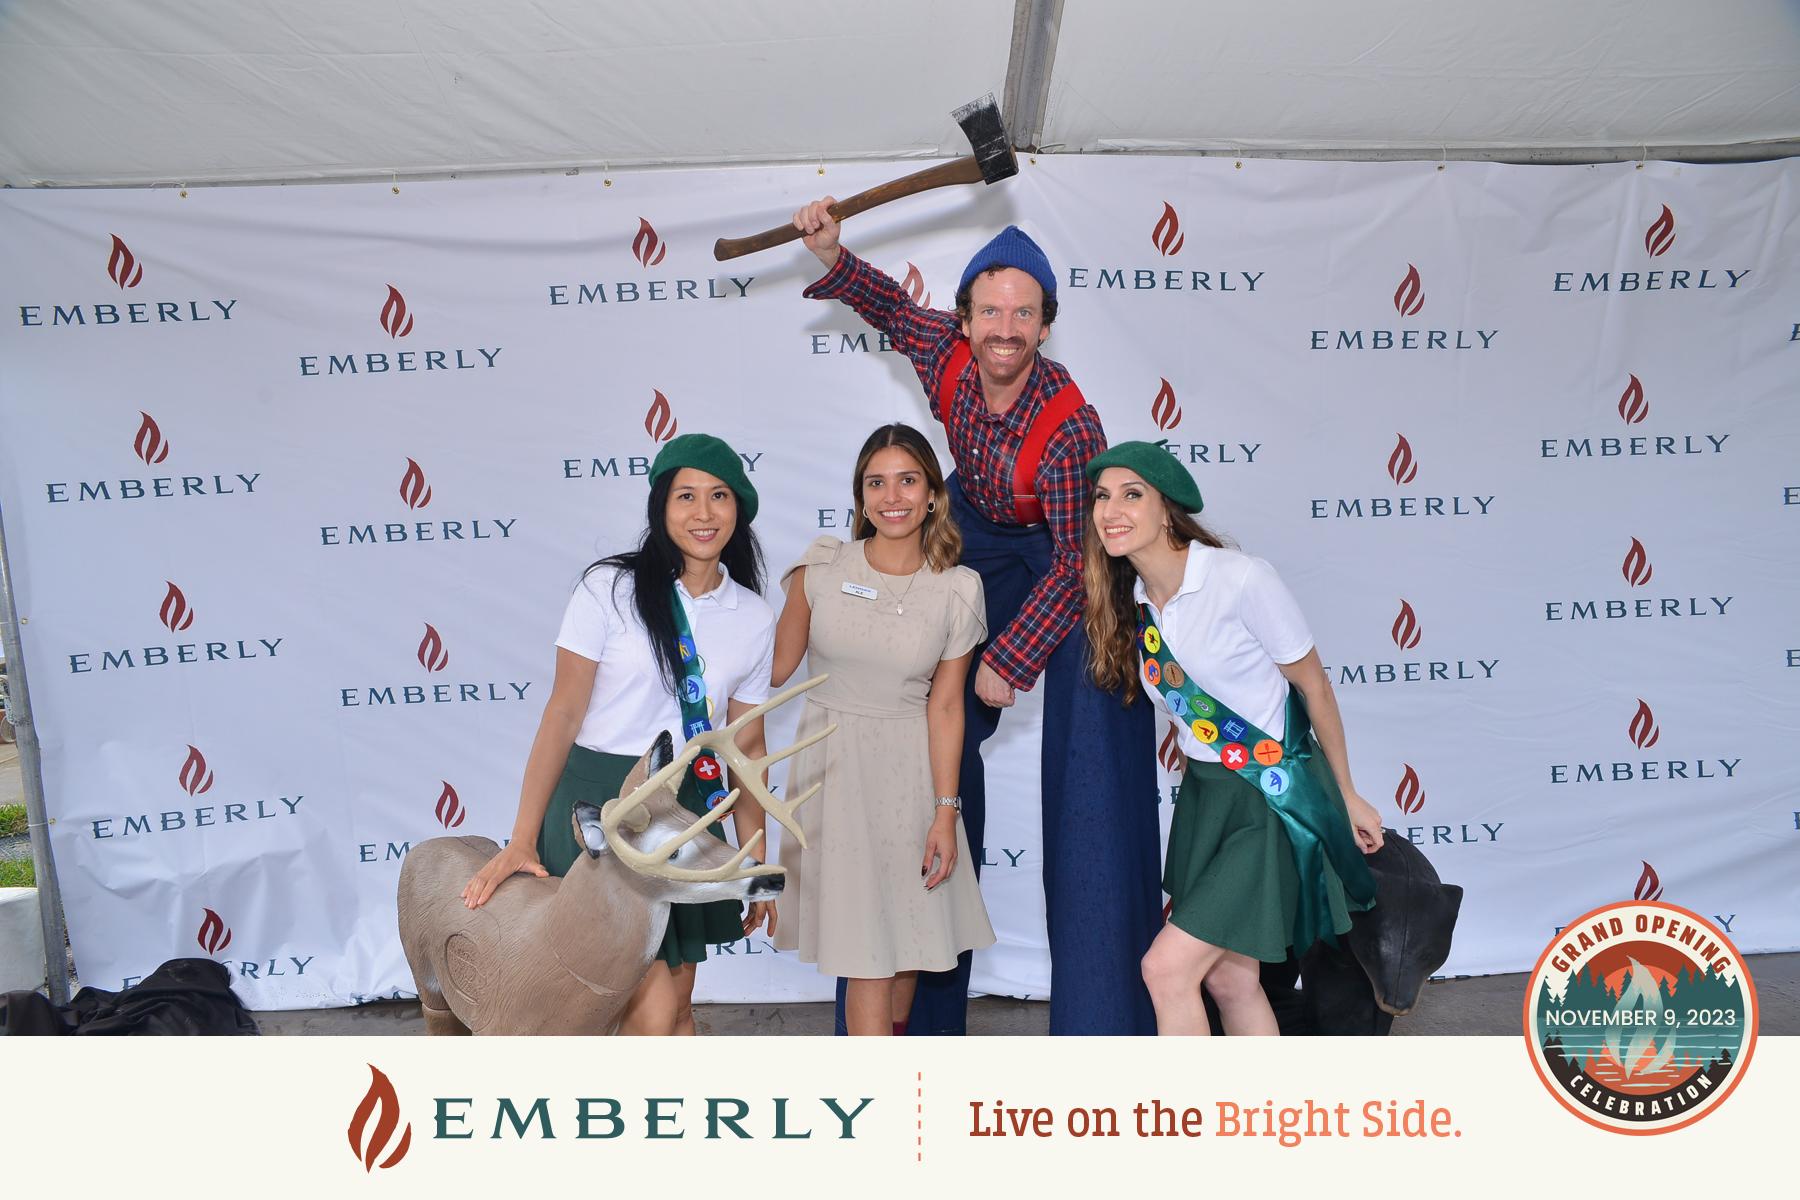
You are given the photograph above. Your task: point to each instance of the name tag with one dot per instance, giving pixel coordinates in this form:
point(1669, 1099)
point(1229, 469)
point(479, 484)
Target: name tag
point(857, 589)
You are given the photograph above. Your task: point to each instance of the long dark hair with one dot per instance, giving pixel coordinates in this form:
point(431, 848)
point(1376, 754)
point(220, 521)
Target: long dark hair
point(655, 566)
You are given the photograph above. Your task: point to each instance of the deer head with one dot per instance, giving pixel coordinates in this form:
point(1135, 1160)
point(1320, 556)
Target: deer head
point(647, 829)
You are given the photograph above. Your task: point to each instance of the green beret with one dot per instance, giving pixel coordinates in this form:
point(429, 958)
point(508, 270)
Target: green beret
point(704, 452)
point(1157, 467)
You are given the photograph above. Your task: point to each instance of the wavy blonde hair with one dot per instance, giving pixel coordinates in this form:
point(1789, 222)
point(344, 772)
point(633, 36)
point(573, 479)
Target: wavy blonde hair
point(1111, 613)
point(941, 538)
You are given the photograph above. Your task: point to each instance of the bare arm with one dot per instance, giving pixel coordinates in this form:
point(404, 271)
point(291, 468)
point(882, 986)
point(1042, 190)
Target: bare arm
point(944, 736)
point(792, 631)
point(747, 816)
point(563, 714)
point(1308, 675)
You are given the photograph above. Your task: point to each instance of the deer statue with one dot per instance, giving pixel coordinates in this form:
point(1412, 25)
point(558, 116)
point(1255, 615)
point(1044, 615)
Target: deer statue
point(561, 956)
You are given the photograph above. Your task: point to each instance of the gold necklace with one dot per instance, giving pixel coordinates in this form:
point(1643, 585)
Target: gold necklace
point(899, 606)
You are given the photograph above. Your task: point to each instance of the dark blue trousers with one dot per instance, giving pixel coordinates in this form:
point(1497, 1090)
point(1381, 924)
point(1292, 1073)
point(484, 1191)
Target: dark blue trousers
point(1102, 860)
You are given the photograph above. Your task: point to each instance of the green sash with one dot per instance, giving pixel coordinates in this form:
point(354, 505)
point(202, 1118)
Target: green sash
point(1317, 827)
point(705, 772)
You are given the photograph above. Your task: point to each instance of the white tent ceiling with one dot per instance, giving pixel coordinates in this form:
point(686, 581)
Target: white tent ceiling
point(129, 92)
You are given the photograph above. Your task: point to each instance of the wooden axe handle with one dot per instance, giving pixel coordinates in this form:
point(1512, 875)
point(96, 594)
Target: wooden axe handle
point(962, 170)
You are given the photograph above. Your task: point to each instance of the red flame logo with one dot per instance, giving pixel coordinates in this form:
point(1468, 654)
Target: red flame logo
point(450, 811)
point(1632, 405)
point(432, 655)
point(1649, 887)
point(1406, 627)
point(1661, 234)
point(1169, 754)
point(659, 419)
point(1409, 795)
point(195, 778)
point(914, 283)
point(149, 444)
point(213, 936)
point(1401, 467)
point(123, 267)
point(1167, 235)
point(381, 1095)
point(1636, 568)
point(646, 247)
point(1409, 297)
point(394, 317)
point(1164, 410)
point(175, 613)
point(1644, 730)
point(413, 489)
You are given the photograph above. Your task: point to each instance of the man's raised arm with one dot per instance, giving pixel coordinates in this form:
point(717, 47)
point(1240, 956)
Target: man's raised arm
point(924, 335)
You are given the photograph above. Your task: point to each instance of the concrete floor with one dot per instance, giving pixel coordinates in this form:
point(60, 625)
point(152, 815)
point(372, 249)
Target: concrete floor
point(1489, 1005)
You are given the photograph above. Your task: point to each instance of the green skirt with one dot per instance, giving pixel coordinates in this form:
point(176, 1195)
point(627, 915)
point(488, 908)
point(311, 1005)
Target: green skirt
point(1230, 871)
point(594, 778)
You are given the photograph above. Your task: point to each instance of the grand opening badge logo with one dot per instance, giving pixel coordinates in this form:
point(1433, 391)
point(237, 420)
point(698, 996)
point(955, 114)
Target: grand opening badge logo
point(1640, 1017)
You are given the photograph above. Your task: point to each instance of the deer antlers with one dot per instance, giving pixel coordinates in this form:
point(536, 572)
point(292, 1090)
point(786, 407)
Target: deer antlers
point(746, 772)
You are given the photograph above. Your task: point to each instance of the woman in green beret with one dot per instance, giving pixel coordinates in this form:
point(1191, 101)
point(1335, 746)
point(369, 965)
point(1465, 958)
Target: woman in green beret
point(688, 593)
point(1263, 848)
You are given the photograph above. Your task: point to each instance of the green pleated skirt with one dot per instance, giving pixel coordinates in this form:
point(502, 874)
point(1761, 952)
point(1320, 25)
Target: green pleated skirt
point(1230, 871)
point(594, 778)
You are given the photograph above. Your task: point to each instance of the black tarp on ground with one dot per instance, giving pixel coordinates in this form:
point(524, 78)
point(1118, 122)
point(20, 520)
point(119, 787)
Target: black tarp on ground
point(184, 996)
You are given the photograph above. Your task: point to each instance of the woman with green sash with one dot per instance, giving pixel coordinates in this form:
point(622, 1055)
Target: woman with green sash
point(1263, 848)
point(660, 638)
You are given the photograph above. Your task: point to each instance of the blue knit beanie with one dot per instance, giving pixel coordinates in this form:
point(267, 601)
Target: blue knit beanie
point(1011, 247)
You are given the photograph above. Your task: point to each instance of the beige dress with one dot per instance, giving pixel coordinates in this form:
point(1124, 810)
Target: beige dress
point(854, 901)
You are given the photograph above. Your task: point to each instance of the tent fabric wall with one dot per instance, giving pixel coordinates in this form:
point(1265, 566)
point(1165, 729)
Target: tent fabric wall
point(119, 92)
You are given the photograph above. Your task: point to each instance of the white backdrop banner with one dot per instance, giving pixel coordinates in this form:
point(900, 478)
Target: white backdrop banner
point(297, 482)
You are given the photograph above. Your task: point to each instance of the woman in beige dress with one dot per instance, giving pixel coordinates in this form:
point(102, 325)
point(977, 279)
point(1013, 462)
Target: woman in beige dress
point(885, 889)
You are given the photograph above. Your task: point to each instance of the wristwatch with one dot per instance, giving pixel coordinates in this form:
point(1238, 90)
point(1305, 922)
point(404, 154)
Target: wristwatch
point(950, 802)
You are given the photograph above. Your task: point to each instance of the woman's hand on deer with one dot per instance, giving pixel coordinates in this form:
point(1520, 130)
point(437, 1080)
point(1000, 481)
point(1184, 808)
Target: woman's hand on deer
point(517, 858)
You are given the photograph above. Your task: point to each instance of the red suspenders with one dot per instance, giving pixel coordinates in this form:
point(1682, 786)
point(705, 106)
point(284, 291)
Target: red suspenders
point(1059, 408)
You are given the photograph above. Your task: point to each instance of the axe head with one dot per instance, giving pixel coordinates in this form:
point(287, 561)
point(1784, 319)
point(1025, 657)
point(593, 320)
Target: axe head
point(981, 124)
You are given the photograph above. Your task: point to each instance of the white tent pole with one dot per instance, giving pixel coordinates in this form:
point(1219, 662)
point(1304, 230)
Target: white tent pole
point(1035, 26)
point(31, 767)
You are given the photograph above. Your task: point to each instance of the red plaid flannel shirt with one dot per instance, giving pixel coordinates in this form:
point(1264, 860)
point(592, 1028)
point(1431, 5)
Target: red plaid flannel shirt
point(985, 446)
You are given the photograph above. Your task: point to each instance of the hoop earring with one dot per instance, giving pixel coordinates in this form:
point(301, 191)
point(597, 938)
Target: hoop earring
point(931, 506)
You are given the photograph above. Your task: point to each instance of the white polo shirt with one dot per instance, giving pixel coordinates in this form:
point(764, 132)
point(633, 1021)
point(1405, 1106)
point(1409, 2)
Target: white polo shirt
point(734, 629)
point(1228, 625)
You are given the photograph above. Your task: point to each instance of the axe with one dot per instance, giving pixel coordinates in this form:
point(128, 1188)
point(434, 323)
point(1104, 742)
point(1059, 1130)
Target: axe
point(992, 161)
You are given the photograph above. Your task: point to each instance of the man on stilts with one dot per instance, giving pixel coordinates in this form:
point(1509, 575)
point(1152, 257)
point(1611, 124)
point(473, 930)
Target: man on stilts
point(1021, 436)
